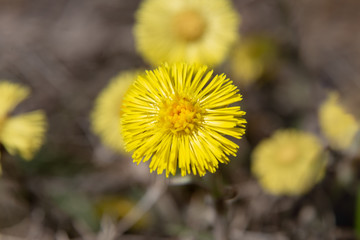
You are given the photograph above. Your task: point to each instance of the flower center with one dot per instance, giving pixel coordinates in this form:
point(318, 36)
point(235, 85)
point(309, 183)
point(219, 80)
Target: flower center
point(179, 115)
point(288, 155)
point(189, 25)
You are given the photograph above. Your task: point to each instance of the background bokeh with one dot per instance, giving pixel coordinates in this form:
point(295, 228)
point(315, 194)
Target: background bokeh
point(76, 188)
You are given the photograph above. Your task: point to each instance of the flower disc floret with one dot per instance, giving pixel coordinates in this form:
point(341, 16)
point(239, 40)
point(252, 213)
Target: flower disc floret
point(178, 115)
point(189, 25)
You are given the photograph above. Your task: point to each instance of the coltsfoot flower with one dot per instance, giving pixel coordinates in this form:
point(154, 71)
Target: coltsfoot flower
point(252, 57)
point(290, 162)
point(117, 207)
point(106, 114)
point(337, 124)
point(177, 116)
point(22, 134)
point(194, 31)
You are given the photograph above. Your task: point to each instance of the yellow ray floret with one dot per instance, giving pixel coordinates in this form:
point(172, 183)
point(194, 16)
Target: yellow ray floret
point(337, 124)
point(22, 134)
point(289, 163)
point(178, 116)
point(10, 96)
point(194, 31)
point(105, 116)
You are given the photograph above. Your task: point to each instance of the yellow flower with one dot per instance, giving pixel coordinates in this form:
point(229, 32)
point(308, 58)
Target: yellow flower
point(22, 134)
point(338, 125)
point(118, 207)
point(251, 57)
point(290, 162)
point(177, 115)
point(105, 116)
point(194, 31)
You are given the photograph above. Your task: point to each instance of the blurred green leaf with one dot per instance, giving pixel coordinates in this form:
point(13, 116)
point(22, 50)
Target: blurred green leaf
point(357, 213)
point(53, 162)
point(77, 206)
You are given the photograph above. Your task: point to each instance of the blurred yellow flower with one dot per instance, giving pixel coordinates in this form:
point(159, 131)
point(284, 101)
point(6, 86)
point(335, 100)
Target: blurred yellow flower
point(22, 134)
point(251, 57)
point(194, 31)
point(338, 125)
point(177, 115)
point(290, 162)
point(117, 207)
point(105, 117)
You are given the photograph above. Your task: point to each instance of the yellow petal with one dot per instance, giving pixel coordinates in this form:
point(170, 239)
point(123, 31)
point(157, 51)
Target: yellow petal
point(105, 117)
point(11, 94)
point(24, 134)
